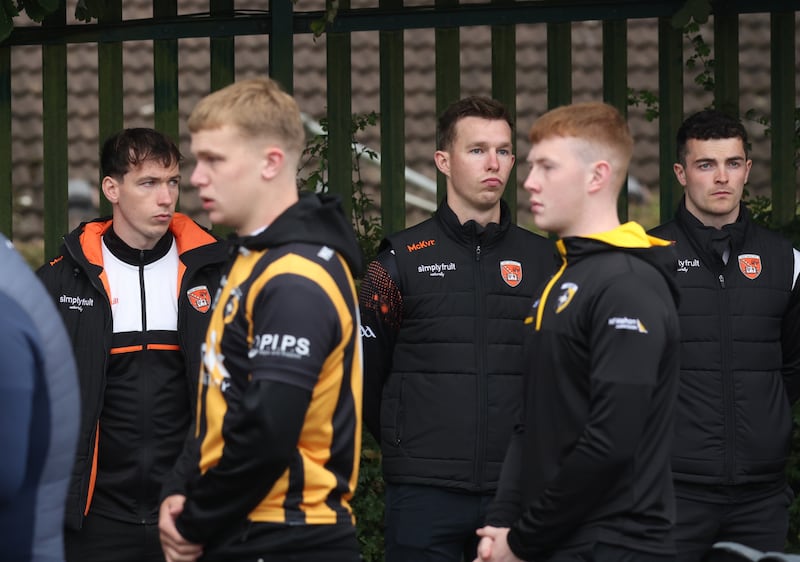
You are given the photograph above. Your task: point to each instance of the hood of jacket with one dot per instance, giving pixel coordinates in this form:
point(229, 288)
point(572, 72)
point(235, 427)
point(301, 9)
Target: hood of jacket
point(316, 218)
point(630, 238)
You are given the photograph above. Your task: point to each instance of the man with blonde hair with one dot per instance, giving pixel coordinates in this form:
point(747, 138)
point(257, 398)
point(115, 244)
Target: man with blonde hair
point(273, 463)
point(587, 476)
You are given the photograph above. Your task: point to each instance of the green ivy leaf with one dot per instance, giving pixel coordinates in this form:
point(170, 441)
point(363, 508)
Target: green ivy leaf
point(35, 10)
point(697, 10)
point(6, 25)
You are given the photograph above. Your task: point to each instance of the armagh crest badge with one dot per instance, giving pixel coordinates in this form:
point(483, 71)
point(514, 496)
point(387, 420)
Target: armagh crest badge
point(199, 298)
point(750, 265)
point(511, 272)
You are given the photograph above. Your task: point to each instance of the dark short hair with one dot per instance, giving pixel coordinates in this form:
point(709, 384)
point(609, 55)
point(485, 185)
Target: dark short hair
point(131, 147)
point(706, 125)
point(473, 106)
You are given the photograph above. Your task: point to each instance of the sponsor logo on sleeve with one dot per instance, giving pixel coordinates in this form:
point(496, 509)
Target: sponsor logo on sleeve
point(629, 324)
point(511, 272)
point(750, 265)
point(199, 298)
point(280, 345)
point(367, 332)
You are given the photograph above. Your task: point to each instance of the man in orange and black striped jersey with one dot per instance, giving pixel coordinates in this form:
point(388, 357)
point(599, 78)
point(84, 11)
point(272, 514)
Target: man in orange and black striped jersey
point(273, 463)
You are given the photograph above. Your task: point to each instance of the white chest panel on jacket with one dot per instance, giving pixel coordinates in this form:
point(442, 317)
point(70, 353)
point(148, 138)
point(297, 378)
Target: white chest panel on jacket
point(160, 292)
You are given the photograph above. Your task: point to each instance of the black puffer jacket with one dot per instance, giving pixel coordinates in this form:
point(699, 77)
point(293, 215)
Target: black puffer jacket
point(453, 392)
point(740, 352)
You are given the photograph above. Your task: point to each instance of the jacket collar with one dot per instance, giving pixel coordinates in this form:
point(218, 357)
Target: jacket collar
point(471, 233)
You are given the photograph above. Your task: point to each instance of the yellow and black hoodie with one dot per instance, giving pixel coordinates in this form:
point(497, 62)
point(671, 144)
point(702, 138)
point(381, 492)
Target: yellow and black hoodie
point(590, 462)
point(274, 461)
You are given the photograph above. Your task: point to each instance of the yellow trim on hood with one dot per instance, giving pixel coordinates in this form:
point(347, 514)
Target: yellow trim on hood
point(629, 235)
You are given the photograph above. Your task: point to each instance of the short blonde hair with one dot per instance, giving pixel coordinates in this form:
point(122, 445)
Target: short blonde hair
point(597, 123)
point(258, 107)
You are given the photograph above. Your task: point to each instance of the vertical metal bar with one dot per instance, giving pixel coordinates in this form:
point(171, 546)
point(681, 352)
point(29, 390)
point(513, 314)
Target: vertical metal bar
point(222, 71)
point(340, 150)
point(392, 123)
point(165, 74)
point(448, 76)
point(222, 49)
point(670, 102)
point(504, 89)
point(784, 120)
point(726, 61)
point(109, 90)
point(559, 64)
point(6, 193)
point(281, 44)
point(615, 83)
point(54, 136)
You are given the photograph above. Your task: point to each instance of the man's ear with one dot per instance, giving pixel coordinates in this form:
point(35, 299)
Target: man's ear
point(110, 188)
point(442, 160)
point(274, 160)
point(600, 176)
point(680, 173)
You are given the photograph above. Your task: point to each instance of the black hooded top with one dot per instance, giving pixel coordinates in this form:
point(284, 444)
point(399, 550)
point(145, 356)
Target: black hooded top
point(590, 462)
point(278, 425)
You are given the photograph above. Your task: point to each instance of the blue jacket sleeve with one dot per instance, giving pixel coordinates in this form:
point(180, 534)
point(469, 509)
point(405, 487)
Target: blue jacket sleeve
point(17, 378)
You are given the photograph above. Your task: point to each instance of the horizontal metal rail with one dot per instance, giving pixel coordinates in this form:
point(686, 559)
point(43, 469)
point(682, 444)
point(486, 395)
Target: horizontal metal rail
point(256, 22)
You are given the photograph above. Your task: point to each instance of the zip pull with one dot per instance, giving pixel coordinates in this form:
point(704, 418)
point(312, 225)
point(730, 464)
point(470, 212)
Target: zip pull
point(478, 252)
point(721, 280)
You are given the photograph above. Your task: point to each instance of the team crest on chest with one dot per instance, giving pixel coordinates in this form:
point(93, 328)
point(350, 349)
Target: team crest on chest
point(750, 265)
point(199, 298)
point(511, 272)
point(568, 291)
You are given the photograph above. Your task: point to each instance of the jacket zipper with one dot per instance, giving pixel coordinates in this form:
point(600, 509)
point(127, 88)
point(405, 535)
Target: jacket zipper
point(481, 380)
point(146, 411)
point(727, 385)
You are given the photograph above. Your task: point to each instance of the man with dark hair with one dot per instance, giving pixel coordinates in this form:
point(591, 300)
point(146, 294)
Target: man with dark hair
point(740, 349)
point(134, 290)
point(586, 477)
point(442, 308)
point(38, 415)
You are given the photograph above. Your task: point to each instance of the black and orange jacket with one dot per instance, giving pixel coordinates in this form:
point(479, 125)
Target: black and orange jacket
point(76, 281)
point(740, 353)
point(590, 461)
point(279, 405)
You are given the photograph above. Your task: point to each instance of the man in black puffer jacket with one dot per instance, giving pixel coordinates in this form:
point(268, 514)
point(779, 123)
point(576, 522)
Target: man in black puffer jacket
point(442, 309)
point(740, 349)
